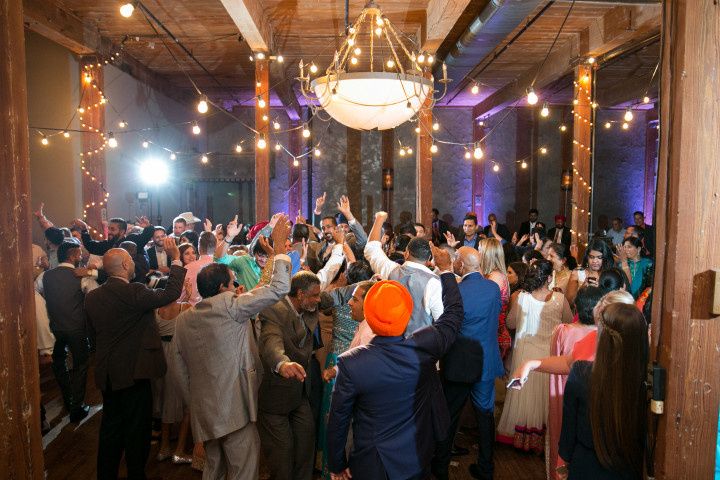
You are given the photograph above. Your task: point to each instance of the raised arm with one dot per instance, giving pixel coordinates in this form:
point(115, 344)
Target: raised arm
point(344, 207)
point(317, 213)
point(95, 247)
point(141, 239)
point(147, 298)
point(42, 219)
point(374, 253)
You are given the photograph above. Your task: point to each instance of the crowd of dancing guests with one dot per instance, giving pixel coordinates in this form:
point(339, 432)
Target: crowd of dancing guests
point(330, 351)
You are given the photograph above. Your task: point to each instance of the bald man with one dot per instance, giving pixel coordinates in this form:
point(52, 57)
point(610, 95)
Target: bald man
point(470, 366)
point(120, 318)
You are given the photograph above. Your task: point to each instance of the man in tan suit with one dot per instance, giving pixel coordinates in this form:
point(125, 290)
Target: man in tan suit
point(218, 365)
point(287, 428)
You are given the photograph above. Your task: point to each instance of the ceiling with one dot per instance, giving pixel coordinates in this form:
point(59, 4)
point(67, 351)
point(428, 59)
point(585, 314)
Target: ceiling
point(312, 30)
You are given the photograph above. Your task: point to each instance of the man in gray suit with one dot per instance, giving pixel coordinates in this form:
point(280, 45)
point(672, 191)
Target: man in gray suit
point(218, 366)
point(287, 428)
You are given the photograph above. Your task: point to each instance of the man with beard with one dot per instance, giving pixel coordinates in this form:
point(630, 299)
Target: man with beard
point(286, 425)
point(158, 260)
point(117, 229)
point(64, 296)
point(561, 233)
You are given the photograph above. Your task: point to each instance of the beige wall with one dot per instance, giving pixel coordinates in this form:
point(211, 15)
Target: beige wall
point(53, 95)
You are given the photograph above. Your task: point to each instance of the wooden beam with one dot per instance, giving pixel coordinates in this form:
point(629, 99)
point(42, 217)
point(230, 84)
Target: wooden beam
point(685, 332)
point(441, 16)
point(262, 155)
point(387, 180)
point(251, 19)
point(20, 436)
point(295, 172)
point(617, 27)
point(424, 166)
point(582, 139)
point(284, 89)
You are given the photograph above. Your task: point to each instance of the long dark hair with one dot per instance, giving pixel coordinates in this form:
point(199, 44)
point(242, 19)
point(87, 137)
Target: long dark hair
point(599, 246)
point(520, 270)
point(617, 389)
point(537, 275)
point(613, 279)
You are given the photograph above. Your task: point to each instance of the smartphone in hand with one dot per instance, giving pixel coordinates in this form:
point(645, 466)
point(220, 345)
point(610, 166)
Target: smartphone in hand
point(515, 384)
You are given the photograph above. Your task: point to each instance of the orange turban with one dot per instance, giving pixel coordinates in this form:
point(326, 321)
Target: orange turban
point(388, 306)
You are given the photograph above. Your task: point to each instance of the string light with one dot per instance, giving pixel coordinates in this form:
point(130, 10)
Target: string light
point(145, 144)
point(278, 147)
point(409, 151)
point(296, 163)
point(238, 148)
point(543, 150)
point(87, 78)
point(430, 59)
point(204, 159)
point(545, 111)
point(260, 56)
point(280, 59)
point(357, 51)
point(261, 102)
point(390, 63)
point(402, 152)
point(196, 128)
point(475, 89)
point(433, 148)
point(112, 141)
point(351, 41)
point(122, 124)
point(276, 125)
point(563, 128)
point(202, 105)
point(421, 58)
point(127, 9)
point(66, 134)
point(646, 99)
point(625, 125)
point(378, 31)
point(262, 143)
point(477, 153)
point(306, 131)
point(608, 125)
point(265, 118)
point(532, 97)
point(317, 152)
point(468, 155)
point(591, 60)
point(523, 165)
point(354, 60)
point(173, 156)
point(44, 140)
point(436, 126)
point(417, 129)
point(496, 168)
point(313, 68)
point(628, 115)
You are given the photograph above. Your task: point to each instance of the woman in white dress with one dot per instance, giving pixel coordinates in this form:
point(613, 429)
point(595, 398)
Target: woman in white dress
point(535, 311)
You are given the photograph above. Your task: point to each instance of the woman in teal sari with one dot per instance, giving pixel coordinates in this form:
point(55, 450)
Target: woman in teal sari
point(638, 269)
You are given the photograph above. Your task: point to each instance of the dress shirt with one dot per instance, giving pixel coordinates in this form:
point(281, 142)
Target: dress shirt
point(193, 268)
point(161, 257)
point(87, 284)
point(617, 237)
point(469, 243)
point(558, 235)
point(383, 266)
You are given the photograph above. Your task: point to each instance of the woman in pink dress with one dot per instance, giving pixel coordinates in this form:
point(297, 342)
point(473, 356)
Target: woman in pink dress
point(564, 338)
point(492, 266)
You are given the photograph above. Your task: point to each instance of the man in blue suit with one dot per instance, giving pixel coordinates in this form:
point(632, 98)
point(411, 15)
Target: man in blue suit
point(471, 365)
point(390, 389)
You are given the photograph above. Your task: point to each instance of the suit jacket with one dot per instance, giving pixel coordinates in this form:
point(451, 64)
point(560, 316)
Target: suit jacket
point(391, 391)
point(285, 337)
point(121, 321)
point(524, 229)
point(217, 362)
point(565, 237)
point(152, 260)
point(475, 355)
point(437, 231)
point(99, 247)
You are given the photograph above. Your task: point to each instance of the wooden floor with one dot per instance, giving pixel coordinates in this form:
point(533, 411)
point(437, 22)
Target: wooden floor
point(71, 450)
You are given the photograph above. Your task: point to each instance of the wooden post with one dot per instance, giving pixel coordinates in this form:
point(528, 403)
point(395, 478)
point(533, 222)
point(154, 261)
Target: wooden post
point(353, 174)
point(92, 121)
point(564, 205)
point(477, 200)
point(685, 331)
point(262, 156)
point(424, 166)
point(295, 172)
point(20, 435)
point(582, 134)
point(388, 172)
point(651, 164)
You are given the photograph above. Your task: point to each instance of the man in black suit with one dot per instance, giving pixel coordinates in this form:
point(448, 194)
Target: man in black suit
point(527, 227)
point(117, 228)
point(439, 228)
point(120, 318)
point(156, 257)
point(560, 233)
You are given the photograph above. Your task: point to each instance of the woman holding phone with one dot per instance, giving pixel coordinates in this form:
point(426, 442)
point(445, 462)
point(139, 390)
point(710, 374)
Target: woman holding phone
point(598, 257)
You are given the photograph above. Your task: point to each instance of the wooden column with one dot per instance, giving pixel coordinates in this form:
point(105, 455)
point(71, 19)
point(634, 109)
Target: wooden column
point(20, 435)
point(564, 205)
point(582, 135)
point(477, 200)
point(651, 164)
point(423, 167)
point(685, 331)
point(353, 173)
point(295, 171)
point(262, 156)
point(388, 172)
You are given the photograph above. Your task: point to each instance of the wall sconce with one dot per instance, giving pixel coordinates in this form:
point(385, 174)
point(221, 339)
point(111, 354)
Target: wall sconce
point(388, 179)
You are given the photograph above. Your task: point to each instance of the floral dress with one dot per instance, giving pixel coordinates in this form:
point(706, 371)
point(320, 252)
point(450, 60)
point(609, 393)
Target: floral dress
point(504, 338)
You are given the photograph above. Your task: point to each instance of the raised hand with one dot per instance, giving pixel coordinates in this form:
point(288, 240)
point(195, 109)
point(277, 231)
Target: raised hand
point(274, 219)
point(265, 245)
point(80, 224)
point(320, 203)
point(233, 228)
point(207, 225)
point(142, 221)
point(343, 207)
point(450, 239)
point(441, 258)
point(339, 236)
point(39, 212)
point(171, 249)
point(280, 233)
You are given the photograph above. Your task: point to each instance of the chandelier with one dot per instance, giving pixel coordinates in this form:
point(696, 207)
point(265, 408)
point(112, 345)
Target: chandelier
point(374, 81)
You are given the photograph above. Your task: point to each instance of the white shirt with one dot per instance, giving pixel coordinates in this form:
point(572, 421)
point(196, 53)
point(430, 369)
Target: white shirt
point(87, 284)
point(558, 235)
point(328, 272)
point(161, 257)
point(383, 266)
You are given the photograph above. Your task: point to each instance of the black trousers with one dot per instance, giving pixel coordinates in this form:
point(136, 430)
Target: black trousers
point(72, 382)
point(126, 427)
point(456, 395)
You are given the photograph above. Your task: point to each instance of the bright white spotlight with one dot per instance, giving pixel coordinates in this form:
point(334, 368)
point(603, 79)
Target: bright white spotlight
point(127, 9)
point(154, 172)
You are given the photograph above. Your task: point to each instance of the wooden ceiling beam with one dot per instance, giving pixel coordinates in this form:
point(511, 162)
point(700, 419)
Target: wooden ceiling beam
point(441, 16)
point(283, 87)
point(618, 26)
point(252, 21)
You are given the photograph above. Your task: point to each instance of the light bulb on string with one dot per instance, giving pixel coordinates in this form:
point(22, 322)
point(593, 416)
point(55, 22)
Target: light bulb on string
point(202, 105)
point(313, 68)
point(591, 60)
point(261, 102)
point(421, 58)
point(173, 156)
point(296, 163)
point(532, 97)
point(436, 126)
point(496, 168)
point(433, 148)
point(357, 51)
point(544, 111)
point(523, 164)
point(646, 99)
point(87, 77)
point(122, 124)
point(409, 151)
point(390, 63)
point(351, 41)
point(543, 150)
point(608, 124)
point(379, 21)
point(468, 155)
point(196, 128)
point(276, 125)
point(475, 89)
point(563, 128)
point(305, 131)
point(127, 9)
point(81, 110)
point(477, 152)
point(278, 147)
point(402, 152)
point(575, 101)
point(354, 60)
point(265, 118)
point(378, 31)
point(204, 159)
point(260, 56)
point(44, 140)
point(417, 129)
point(628, 115)
point(430, 59)
point(262, 143)
point(317, 152)
point(625, 126)
point(66, 134)
point(112, 141)
point(238, 148)
point(145, 144)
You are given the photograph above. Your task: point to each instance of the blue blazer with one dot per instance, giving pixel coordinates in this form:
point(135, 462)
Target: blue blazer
point(482, 304)
point(391, 391)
